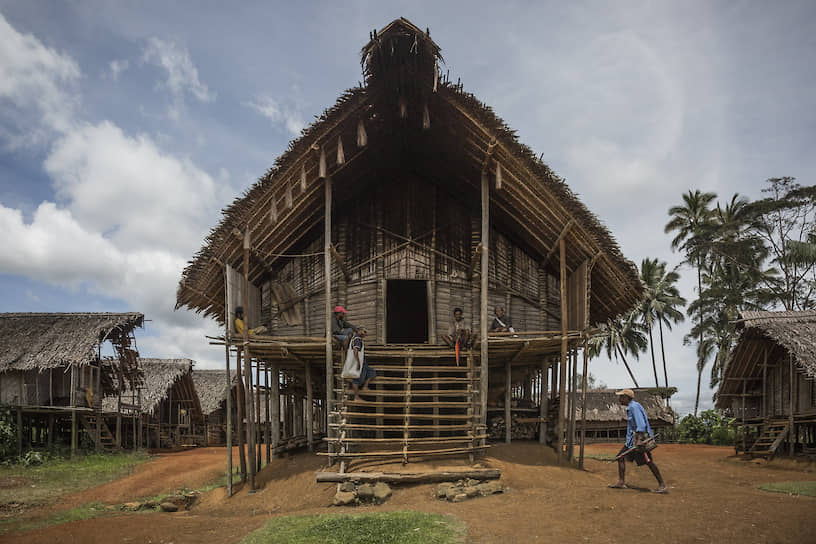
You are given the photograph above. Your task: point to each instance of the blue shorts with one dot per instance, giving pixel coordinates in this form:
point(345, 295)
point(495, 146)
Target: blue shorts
point(366, 373)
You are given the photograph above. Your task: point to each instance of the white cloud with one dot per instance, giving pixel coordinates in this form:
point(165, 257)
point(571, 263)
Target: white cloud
point(281, 114)
point(182, 74)
point(117, 67)
point(36, 88)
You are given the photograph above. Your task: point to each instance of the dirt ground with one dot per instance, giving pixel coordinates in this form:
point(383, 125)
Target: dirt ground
point(713, 498)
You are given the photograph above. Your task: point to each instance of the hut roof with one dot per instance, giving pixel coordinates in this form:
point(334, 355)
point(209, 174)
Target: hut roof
point(40, 341)
point(792, 332)
point(211, 388)
point(534, 201)
point(603, 405)
point(158, 377)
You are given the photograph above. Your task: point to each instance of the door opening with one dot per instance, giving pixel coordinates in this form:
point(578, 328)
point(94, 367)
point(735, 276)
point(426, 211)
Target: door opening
point(406, 311)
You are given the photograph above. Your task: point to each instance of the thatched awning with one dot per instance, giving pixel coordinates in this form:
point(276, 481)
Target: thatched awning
point(775, 333)
point(603, 406)
point(159, 377)
point(212, 388)
point(533, 202)
point(39, 341)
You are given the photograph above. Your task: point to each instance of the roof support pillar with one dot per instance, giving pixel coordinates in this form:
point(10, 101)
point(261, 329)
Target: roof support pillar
point(327, 222)
point(562, 384)
point(249, 395)
point(229, 390)
point(485, 244)
point(583, 404)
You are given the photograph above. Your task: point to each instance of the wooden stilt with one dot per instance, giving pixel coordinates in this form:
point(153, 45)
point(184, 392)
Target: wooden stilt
point(507, 397)
point(241, 401)
point(275, 415)
point(229, 395)
point(309, 408)
point(73, 412)
point(485, 244)
point(257, 401)
point(544, 403)
point(248, 371)
point(583, 404)
point(327, 230)
point(268, 426)
point(572, 398)
point(791, 429)
point(562, 387)
point(20, 431)
point(50, 430)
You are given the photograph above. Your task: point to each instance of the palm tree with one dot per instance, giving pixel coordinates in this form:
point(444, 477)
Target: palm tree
point(659, 305)
point(689, 222)
point(618, 337)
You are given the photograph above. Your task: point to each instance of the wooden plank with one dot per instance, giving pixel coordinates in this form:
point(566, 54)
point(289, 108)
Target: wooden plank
point(409, 477)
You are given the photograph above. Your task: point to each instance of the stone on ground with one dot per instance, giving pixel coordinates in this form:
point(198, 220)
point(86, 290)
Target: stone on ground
point(168, 507)
point(365, 492)
point(344, 498)
point(381, 492)
point(347, 487)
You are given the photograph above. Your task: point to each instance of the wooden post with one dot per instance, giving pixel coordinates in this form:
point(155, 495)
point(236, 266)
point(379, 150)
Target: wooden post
point(20, 432)
point(572, 397)
point(257, 401)
point(562, 404)
point(97, 397)
point(327, 224)
point(764, 389)
point(544, 403)
point(73, 412)
point(268, 426)
point(50, 430)
point(309, 408)
point(275, 408)
point(241, 402)
point(583, 404)
point(507, 398)
point(229, 396)
point(248, 371)
point(50, 387)
point(483, 342)
point(791, 433)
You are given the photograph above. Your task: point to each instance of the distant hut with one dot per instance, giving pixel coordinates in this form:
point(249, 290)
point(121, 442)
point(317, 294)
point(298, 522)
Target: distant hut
point(170, 410)
point(211, 386)
point(407, 198)
point(606, 417)
point(54, 375)
point(769, 383)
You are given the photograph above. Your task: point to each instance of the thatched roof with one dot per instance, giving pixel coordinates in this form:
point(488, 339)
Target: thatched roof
point(401, 65)
point(159, 376)
point(778, 333)
point(47, 340)
point(212, 388)
point(603, 406)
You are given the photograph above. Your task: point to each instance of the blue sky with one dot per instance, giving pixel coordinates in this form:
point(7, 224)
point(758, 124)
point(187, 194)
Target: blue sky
point(125, 128)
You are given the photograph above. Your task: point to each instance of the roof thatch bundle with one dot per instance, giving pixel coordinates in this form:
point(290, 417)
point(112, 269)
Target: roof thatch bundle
point(159, 376)
point(603, 406)
point(400, 64)
point(41, 341)
point(212, 388)
point(781, 333)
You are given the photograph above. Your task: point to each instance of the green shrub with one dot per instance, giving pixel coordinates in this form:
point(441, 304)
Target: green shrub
point(708, 428)
point(8, 434)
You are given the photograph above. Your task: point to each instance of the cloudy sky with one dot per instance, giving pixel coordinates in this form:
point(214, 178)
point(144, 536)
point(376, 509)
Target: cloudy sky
point(125, 127)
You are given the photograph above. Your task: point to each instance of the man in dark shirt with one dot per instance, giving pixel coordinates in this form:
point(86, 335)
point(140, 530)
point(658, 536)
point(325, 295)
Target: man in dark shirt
point(501, 323)
point(459, 331)
point(341, 329)
point(638, 433)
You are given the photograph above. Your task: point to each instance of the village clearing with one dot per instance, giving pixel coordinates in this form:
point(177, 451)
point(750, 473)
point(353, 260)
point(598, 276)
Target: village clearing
point(713, 497)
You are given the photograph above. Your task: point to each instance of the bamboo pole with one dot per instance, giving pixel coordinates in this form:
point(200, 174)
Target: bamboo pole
point(275, 406)
point(97, 398)
point(229, 404)
point(73, 411)
point(791, 433)
point(250, 427)
point(268, 426)
point(562, 404)
point(543, 403)
point(573, 394)
point(309, 408)
point(507, 398)
point(327, 224)
point(485, 244)
point(241, 409)
point(257, 400)
point(764, 389)
point(583, 404)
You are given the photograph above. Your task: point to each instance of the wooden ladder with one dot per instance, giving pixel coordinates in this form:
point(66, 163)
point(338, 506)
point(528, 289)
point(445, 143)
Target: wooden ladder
point(773, 434)
point(106, 440)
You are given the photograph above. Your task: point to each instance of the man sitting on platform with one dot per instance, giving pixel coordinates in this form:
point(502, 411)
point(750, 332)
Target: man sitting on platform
point(239, 324)
point(501, 323)
point(366, 372)
point(458, 332)
point(341, 329)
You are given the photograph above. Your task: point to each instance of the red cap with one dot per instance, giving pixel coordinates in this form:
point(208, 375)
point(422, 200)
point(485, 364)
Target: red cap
point(340, 309)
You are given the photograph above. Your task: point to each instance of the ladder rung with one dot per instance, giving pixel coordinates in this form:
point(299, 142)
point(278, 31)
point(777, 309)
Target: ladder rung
point(377, 415)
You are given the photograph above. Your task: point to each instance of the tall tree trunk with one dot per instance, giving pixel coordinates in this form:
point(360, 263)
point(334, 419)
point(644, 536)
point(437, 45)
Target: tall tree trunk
point(663, 353)
point(629, 370)
point(697, 401)
point(700, 349)
point(654, 364)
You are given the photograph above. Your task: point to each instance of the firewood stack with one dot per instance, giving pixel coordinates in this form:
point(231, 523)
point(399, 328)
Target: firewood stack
point(519, 430)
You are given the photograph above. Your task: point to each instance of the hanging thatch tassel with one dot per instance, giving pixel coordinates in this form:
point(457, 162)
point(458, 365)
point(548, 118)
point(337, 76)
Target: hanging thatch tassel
point(426, 118)
point(303, 178)
point(273, 212)
point(362, 137)
point(436, 76)
point(321, 171)
point(288, 195)
point(498, 175)
point(341, 157)
point(403, 109)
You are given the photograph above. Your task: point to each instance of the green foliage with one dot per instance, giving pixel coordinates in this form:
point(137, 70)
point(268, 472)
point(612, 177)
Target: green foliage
point(8, 434)
point(391, 527)
point(709, 428)
point(792, 488)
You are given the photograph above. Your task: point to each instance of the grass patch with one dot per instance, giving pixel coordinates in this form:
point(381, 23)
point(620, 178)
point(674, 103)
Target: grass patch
point(58, 477)
point(600, 456)
point(391, 527)
point(807, 489)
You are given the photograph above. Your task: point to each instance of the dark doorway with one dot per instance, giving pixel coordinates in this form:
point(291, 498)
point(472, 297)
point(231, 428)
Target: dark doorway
point(406, 311)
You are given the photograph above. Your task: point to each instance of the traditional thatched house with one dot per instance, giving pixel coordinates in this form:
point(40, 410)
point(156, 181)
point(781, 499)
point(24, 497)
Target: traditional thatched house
point(606, 417)
point(406, 199)
point(212, 390)
point(53, 373)
point(769, 382)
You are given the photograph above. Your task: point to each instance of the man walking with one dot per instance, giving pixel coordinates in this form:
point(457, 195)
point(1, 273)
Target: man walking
point(638, 434)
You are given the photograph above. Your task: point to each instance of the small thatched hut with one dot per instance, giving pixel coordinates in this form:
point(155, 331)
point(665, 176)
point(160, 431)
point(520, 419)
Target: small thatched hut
point(53, 373)
point(212, 392)
point(606, 417)
point(769, 382)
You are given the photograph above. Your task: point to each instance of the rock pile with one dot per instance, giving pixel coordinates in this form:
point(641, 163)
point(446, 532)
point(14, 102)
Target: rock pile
point(352, 493)
point(467, 489)
point(171, 503)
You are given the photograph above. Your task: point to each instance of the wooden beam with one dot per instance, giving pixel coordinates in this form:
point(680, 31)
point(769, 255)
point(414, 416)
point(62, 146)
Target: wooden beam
point(248, 397)
point(558, 241)
point(583, 405)
point(339, 260)
point(483, 375)
point(409, 477)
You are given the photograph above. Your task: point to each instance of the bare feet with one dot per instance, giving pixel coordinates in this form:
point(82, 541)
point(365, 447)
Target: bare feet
point(661, 490)
point(618, 485)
